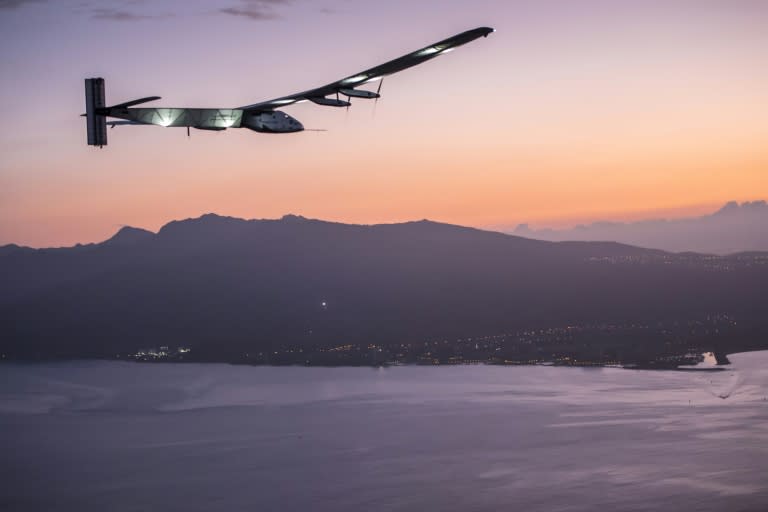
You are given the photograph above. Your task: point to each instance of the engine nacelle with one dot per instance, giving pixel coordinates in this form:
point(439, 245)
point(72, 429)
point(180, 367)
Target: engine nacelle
point(329, 102)
point(271, 122)
point(357, 93)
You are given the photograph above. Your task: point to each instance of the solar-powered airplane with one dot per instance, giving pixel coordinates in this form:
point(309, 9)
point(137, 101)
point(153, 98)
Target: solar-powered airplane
point(260, 117)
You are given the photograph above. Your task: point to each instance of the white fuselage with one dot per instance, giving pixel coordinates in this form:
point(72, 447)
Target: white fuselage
point(272, 121)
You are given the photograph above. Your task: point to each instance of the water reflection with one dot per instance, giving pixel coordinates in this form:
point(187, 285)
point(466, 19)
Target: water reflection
point(86, 436)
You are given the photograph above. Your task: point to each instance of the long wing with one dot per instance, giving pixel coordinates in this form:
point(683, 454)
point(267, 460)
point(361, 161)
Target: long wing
point(346, 86)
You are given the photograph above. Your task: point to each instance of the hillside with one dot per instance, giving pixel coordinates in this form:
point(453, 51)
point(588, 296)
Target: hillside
point(224, 285)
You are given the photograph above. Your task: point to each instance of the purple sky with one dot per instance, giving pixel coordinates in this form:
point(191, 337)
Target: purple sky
point(572, 111)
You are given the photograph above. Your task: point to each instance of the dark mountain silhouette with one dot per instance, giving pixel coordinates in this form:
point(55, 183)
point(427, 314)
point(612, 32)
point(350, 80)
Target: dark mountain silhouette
point(129, 236)
point(734, 228)
point(223, 286)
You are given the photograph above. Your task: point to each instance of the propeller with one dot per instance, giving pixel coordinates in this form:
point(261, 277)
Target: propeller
point(349, 104)
point(378, 93)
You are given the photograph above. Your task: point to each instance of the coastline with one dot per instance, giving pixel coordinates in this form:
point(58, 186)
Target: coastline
point(696, 368)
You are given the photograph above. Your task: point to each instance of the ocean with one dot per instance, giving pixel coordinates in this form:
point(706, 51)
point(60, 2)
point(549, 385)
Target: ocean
point(93, 435)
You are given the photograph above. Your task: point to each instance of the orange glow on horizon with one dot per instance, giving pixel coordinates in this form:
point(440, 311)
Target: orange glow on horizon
point(635, 111)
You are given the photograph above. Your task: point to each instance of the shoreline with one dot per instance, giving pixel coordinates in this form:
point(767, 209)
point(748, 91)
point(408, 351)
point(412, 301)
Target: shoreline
point(627, 366)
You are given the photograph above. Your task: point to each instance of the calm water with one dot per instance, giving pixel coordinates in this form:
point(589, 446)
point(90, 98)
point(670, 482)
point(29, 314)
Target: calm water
point(125, 436)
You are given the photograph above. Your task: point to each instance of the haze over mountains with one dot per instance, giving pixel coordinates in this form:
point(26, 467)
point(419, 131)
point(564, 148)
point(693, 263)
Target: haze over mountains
point(224, 285)
point(733, 228)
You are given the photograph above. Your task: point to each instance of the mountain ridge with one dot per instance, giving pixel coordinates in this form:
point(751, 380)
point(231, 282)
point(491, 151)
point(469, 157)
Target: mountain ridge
point(225, 286)
point(731, 229)
point(129, 235)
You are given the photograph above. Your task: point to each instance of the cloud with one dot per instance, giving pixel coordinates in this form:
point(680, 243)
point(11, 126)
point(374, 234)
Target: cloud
point(13, 4)
point(121, 10)
point(135, 10)
point(254, 13)
point(112, 14)
point(257, 10)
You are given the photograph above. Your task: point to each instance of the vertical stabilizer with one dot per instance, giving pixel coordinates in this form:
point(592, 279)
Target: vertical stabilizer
point(95, 100)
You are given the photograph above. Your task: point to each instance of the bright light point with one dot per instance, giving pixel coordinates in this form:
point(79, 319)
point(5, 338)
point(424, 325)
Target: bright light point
point(283, 102)
point(324, 304)
point(428, 51)
point(354, 79)
point(163, 117)
point(447, 50)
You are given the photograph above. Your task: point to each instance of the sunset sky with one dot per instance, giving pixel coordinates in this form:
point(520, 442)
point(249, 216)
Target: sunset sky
point(572, 111)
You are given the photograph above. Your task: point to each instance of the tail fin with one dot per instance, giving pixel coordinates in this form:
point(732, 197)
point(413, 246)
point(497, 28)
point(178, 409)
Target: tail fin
point(94, 101)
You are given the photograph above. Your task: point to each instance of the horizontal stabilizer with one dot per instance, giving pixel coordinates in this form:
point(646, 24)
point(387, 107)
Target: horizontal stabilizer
point(135, 102)
point(112, 124)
